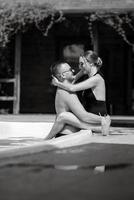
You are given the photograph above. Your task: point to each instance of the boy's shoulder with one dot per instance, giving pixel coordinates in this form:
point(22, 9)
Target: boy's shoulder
point(64, 94)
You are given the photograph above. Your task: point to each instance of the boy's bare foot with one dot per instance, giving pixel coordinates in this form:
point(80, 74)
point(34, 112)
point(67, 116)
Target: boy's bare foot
point(105, 125)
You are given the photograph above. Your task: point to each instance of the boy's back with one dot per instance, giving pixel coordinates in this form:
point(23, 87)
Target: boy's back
point(60, 101)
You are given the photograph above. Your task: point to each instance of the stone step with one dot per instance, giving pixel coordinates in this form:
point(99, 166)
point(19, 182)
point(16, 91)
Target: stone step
point(30, 146)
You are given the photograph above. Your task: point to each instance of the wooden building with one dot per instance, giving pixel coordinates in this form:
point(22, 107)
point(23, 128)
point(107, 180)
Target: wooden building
point(32, 54)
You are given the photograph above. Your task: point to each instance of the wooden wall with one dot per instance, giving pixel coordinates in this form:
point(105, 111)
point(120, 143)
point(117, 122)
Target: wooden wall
point(117, 66)
point(38, 53)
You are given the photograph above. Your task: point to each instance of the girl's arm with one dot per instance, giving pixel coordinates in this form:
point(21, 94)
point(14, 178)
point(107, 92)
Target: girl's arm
point(89, 83)
point(78, 75)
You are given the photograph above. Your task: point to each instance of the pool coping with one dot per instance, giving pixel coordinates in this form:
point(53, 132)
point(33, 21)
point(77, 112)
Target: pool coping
point(73, 140)
point(66, 141)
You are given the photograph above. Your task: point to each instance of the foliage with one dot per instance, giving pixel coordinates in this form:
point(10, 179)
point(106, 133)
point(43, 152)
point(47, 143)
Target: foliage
point(118, 21)
point(16, 16)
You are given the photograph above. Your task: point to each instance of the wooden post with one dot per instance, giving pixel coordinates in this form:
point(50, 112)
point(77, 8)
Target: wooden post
point(96, 39)
point(129, 78)
point(16, 103)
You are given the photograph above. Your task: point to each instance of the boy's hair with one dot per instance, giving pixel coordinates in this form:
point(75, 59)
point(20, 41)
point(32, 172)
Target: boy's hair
point(55, 68)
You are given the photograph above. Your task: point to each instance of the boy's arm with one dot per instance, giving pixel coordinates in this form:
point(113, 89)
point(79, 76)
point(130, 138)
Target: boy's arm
point(77, 108)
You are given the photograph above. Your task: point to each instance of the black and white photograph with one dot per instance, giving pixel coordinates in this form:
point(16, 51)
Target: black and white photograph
point(66, 99)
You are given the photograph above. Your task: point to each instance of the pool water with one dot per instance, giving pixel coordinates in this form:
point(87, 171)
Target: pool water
point(95, 171)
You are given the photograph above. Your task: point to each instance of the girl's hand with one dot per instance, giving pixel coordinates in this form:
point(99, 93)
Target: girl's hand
point(55, 81)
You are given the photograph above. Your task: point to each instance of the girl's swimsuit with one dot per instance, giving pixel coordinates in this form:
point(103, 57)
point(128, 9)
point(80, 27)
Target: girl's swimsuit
point(93, 105)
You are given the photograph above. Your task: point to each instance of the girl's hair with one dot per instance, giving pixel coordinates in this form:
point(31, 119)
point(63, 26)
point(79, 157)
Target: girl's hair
point(92, 57)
